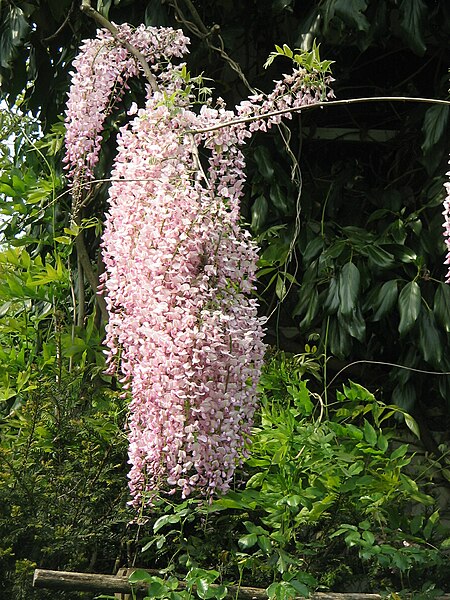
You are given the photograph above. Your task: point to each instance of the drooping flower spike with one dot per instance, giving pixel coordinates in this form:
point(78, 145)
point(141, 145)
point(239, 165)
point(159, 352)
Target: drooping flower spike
point(180, 270)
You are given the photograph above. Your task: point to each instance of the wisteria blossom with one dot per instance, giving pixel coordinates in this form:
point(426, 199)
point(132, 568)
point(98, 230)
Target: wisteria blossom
point(99, 80)
point(179, 272)
point(446, 214)
point(183, 327)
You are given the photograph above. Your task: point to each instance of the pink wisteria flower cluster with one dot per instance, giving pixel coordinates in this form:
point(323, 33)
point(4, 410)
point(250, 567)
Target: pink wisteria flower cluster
point(446, 214)
point(183, 328)
point(99, 79)
point(179, 272)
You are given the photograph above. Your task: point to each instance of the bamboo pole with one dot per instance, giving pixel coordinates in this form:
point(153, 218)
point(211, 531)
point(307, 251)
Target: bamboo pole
point(110, 584)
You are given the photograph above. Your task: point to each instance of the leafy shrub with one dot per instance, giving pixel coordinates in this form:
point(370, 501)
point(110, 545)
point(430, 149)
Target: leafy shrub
point(327, 499)
point(62, 492)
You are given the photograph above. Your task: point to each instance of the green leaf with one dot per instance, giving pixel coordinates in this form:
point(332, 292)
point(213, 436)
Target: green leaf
point(265, 544)
point(411, 423)
point(301, 396)
point(416, 524)
point(156, 589)
point(219, 592)
point(331, 303)
point(370, 435)
point(404, 395)
point(434, 518)
point(349, 280)
point(354, 324)
point(399, 452)
point(409, 302)
point(276, 252)
point(412, 17)
point(385, 300)
point(368, 537)
point(280, 288)
point(379, 257)
point(14, 29)
point(338, 338)
point(434, 126)
point(264, 162)
point(305, 294)
point(260, 209)
point(287, 51)
point(248, 541)
point(103, 7)
point(203, 589)
point(313, 307)
point(301, 589)
point(335, 250)
point(252, 528)
point(141, 575)
point(313, 249)
point(382, 442)
point(352, 13)
point(442, 305)
point(429, 340)
point(279, 198)
point(401, 561)
point(7, 190)
point(402, 253)
point(165, 520)
point(272, 590)
point(63, 239)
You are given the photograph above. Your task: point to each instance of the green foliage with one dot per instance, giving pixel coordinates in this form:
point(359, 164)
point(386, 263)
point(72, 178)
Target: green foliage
point(198, 583)
point(412, 21)
point(308, 60)
point(62, 449)
point(327, 496)
point(61, 480)
point(353, 275)
point(351, 250)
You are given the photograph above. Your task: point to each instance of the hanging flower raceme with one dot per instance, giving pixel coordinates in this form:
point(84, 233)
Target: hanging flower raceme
point(179, 270)
point(446, 214)
point(99, 80)
point(183, 329)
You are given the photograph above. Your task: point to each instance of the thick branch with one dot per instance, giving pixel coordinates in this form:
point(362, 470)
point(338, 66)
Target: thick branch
point(196, 17)
point(102, 22)
point(347, 102)
point(89, 273)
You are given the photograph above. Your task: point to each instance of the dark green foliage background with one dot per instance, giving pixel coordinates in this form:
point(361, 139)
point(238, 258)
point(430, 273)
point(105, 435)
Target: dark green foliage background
point(350, 229)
